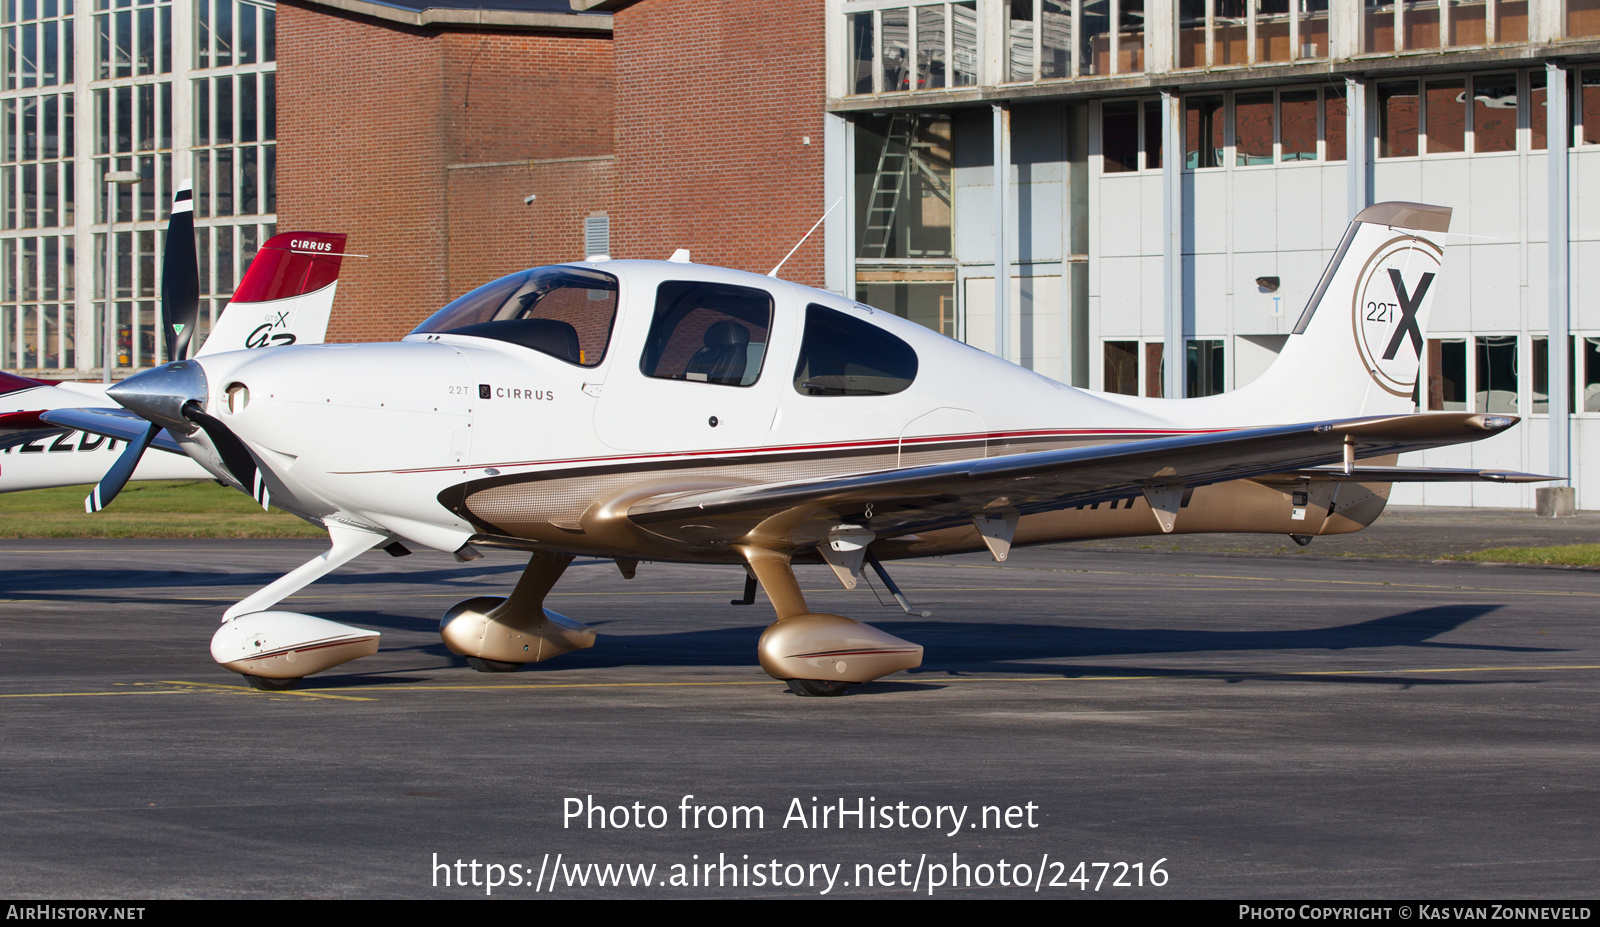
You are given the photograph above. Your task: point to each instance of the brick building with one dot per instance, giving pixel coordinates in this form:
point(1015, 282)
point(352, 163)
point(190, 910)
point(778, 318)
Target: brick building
point(638, 128)
point(420, 132)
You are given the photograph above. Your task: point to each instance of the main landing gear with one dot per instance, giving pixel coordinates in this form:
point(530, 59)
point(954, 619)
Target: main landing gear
point(819, 654)
point(816, 654)
point(498, 634)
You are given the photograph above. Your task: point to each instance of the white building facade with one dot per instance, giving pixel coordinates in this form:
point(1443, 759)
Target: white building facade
point(1178, 173)
point(166, 89)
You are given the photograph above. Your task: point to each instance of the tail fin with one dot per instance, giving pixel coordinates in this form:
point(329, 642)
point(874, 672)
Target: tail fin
point(1358, 345)
point(286, 297)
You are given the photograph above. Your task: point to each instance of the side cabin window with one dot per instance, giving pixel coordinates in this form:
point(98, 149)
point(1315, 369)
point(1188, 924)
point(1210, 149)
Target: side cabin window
point(844, 356)
point(565, 312)
point(708, 332)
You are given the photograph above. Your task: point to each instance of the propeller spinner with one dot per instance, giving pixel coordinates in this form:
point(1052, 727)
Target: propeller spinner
point(173, 396)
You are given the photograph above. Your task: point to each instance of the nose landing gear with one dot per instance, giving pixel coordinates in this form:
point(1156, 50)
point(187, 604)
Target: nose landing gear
point(820, 654)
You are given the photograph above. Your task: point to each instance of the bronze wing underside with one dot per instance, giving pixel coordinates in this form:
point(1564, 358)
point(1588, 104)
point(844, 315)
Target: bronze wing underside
point(799, 514)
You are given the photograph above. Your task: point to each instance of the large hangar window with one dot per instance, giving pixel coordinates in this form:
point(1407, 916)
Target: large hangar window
point(1253, 130)
point(909, 48)
point(1205, 370)
point(1494, 113)
point(1127, 131)
point(1122, 367)
point(1447, 374)
point(1039, 40)
point(1203, 123)
point(1497, 374)
point(1589, 107)
point(905, 261)
point(1214, 33)
point(708, 332)
point(1541, 377)
point(1447, 115)
point(1399, 119)
point(1583, 17)
point(1119, 137)
point(1297, 125)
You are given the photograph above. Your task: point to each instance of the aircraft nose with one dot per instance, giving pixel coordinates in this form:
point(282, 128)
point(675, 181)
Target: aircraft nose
point(160, 394)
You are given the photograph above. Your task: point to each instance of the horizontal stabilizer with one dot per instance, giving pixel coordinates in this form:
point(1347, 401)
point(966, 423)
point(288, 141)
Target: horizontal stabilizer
point(113, 423)
point(1416, 475)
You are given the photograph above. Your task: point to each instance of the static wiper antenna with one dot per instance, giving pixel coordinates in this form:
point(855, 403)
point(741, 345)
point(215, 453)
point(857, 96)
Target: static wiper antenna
point(774, 271)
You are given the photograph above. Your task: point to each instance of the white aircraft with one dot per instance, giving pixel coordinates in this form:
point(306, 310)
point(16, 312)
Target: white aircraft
point(286, 297)
point(665, 411)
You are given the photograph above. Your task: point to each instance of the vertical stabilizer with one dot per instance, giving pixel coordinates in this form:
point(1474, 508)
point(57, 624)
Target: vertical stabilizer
point(1357, 347)
point(286, 297)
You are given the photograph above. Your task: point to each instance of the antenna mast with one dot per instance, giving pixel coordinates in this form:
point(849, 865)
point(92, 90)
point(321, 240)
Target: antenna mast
point(774, 271)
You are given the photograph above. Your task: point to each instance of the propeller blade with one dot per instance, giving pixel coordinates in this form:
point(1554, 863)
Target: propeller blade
point(180, 275)
point(235, 456)
point(117, 476)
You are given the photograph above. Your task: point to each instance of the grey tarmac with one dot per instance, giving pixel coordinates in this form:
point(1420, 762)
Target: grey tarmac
point(1269, 726)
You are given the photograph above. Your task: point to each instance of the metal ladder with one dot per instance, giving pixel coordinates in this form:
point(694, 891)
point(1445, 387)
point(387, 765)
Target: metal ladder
point(889, 185)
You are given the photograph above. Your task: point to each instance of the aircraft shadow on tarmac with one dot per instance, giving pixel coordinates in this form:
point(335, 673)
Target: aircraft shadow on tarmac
point(957, 647)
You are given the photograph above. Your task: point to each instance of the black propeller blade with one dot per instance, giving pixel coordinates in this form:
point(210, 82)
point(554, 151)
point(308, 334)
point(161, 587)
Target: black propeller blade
point(232, 451)
point(180, 302)
point(180, 275)
point(117, 476)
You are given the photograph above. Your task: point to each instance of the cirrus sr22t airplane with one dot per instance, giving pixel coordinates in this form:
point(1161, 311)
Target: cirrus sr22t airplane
point(666, 411)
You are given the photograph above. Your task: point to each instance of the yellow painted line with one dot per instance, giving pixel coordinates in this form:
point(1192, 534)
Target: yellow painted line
point(92, 694)
point(566, 685)
point(247, 690)
point(1260, 675)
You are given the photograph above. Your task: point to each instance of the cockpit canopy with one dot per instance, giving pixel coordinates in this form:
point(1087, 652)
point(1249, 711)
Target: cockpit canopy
point(565, 312)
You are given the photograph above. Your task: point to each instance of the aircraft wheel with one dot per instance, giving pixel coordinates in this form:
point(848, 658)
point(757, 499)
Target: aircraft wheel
point(492, 666)
point(817, 687)
point(270, 685)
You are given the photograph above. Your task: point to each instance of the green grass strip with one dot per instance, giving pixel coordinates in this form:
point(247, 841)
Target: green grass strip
point(1564, 555)
point(147, 509)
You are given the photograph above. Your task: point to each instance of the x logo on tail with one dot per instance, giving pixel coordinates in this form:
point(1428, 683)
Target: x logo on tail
point(1408, 314)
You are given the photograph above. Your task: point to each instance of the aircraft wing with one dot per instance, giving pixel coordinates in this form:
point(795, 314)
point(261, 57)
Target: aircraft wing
point(993, 490)
point(1414, 475)
point(113, 423)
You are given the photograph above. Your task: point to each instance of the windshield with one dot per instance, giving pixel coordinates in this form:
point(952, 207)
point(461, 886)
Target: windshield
point(565, 312)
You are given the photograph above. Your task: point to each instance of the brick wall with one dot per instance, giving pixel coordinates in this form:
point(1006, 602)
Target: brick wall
point(397, 136)
point(714, 99)
point(492, 233)
point(688, 127)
